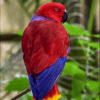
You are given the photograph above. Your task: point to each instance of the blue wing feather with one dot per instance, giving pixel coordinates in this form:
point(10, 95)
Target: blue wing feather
point(46, 79)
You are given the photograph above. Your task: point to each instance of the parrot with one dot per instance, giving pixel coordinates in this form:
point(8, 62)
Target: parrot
point(45, 47)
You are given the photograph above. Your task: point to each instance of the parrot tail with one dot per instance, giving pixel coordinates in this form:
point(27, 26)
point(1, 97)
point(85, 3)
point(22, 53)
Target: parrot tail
point(53, 94)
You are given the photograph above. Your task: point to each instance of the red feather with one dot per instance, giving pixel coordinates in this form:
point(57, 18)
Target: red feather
point(43, 42)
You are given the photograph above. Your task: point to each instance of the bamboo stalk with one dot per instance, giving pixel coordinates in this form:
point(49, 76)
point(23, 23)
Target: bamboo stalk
point(91, 15)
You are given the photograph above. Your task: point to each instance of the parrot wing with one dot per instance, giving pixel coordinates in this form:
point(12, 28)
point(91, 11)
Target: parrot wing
point(43, 43)
point(46, 79)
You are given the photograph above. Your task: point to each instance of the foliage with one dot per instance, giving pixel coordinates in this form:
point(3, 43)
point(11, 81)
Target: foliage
point(20, 32)
point(19, 84)
point(78, 78)
point(93, 86)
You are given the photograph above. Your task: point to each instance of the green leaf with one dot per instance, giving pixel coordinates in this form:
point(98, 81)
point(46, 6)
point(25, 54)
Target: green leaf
point(89, 97)
point(97, 97)
point(94, 45)
point(19, 84)
point(93, 86)
point(78, 76)
point(79, 97)
point(75, 30)
point(97, 36)
point(20, 32)
point(23, 98)
point(29, 96)
point(70, 68)
point(83, 41)
point(78, 82)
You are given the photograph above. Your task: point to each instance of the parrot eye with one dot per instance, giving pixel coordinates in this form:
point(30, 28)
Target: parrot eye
point(56, 9)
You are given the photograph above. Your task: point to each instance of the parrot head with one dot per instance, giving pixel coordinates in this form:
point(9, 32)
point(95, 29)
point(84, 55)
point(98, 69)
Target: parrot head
point(54, 11)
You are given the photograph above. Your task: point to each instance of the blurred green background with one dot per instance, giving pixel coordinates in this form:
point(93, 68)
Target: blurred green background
point(81, 75)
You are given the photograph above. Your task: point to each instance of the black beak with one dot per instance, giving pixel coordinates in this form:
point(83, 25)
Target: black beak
point(65, 16)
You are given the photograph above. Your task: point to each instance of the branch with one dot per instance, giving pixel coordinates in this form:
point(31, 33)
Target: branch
point(21, 94)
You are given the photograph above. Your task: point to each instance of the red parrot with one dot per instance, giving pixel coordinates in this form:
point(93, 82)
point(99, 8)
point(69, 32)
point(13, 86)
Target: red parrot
point(45, 46)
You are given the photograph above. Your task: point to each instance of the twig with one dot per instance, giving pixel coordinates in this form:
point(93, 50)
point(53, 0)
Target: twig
point(21, 94)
